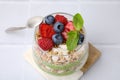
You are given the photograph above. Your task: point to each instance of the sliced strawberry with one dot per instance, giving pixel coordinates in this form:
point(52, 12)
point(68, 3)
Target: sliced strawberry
point(64, 34)
point(69, 27)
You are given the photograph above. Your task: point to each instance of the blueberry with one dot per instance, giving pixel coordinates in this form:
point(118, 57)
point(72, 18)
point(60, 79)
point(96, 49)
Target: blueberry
point(81, 39)
point(58, 27)
point(57, 39)
point(49, 19)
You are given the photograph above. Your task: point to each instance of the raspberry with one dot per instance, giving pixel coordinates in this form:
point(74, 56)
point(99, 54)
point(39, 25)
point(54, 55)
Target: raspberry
point(46, 30)
point(45, 43)
point(61, 18)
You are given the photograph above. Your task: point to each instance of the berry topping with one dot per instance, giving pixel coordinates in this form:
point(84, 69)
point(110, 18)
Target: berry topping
point(45, 43)
point(81, 39)
point(65, 36)
point(58, 27)
point(49, 19)
point(46, 30)
point(61, 18)
point(57, 39)
point(69, 27)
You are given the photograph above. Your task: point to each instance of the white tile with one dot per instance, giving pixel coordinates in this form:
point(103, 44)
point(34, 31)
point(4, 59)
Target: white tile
point(14, 66)
point(30, 73)
point(12, 62)
point(45, 8)
point(107, 67)
point(13, 14)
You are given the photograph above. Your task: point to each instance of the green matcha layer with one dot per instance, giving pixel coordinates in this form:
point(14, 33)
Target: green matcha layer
point(67, 72)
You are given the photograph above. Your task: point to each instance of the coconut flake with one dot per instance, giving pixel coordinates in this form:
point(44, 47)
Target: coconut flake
point(55, 58)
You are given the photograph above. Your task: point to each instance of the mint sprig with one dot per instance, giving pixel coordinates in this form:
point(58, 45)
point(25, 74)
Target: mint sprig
point(78, 21)
point(73, 36)
point(72, 40)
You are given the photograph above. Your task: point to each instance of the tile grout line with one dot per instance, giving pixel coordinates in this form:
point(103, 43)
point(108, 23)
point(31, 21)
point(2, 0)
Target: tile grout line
point(81, 2)
point(64, 2)
point(14, 2)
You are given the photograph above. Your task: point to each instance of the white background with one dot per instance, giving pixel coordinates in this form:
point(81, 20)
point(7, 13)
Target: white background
point(102, 22)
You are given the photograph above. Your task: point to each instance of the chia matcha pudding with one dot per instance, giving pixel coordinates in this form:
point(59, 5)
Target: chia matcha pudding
point(60, 45)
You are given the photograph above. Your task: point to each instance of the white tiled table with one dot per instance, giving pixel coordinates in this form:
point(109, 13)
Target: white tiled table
point(102, 22)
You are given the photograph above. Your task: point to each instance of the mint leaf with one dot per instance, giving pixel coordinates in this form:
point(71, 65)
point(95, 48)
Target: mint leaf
point(72, 40)
point(78, 21)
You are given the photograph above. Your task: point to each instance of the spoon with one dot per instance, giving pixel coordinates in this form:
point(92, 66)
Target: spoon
point(32, 22)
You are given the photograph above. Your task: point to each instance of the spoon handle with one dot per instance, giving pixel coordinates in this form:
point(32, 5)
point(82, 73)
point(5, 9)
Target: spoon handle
point(11, 29)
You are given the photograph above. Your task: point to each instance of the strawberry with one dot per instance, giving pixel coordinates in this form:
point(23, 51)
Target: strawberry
point(46, 30)
point(61, 18)
point(64, 34)
point(45, 43)
point(69, 27)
